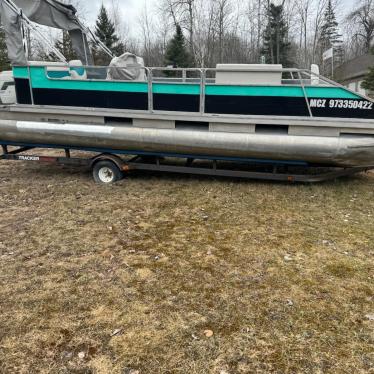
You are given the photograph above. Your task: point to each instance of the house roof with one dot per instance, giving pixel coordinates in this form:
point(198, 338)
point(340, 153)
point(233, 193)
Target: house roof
point(356, 68)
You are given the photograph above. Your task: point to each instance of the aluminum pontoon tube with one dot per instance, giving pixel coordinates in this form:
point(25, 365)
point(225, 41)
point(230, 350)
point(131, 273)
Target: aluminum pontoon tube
point(345, 150)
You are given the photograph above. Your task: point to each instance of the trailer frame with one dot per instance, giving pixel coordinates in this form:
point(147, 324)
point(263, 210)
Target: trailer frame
point(155, 163)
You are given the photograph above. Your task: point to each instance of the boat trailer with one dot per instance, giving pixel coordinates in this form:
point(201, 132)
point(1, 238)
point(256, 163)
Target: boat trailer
point(108, 167)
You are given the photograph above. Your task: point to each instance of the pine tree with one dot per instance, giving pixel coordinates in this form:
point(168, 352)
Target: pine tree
point(105, 30)
point(276, 48)
point(4, 61)
point(330, 36)
point(65, 46)
point(177, 53)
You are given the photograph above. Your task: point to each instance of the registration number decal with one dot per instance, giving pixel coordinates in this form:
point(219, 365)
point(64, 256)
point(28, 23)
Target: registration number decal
point(341, 104)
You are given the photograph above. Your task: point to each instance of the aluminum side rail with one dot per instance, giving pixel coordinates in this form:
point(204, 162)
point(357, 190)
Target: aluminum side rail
point(201, 78)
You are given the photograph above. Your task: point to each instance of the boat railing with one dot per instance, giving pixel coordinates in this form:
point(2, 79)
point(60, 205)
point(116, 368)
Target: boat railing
point(203, 77)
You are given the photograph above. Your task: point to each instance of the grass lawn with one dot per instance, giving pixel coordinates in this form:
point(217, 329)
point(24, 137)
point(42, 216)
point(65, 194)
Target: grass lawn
point(178, 274)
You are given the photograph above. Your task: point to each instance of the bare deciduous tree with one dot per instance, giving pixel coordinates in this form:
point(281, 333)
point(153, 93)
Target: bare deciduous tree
point(233, 30)
point(362, 21)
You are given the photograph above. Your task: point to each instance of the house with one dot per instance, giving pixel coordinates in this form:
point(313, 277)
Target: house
point(352, 73)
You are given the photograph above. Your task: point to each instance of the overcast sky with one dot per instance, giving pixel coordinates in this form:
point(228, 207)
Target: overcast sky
point(131, 9)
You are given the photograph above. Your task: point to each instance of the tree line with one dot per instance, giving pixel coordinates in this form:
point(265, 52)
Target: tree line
point(294, 33)
point(188, 33)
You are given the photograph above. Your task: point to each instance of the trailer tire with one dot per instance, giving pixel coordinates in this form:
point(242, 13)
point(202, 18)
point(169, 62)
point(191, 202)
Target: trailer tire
point(106, 172)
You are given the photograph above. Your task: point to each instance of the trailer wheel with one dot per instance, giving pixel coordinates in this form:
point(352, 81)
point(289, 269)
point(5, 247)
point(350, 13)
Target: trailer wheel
point(106, 172)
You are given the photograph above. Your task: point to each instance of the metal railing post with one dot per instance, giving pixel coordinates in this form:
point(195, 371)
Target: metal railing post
point(305, 94)
point(150, 89)
point(202, 90)
point(30, 84)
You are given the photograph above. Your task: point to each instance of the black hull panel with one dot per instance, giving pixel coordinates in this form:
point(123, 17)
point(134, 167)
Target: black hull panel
point(214, 104)
point(23, 92)
point(256, 105)
point(94, 99)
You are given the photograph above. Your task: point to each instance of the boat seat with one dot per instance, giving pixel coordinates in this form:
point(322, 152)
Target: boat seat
point(261, 74)
point(58, 71)
point(74, 70)
point(77, 71)
point(127, 67)
point(47, 63)
point(54, 70)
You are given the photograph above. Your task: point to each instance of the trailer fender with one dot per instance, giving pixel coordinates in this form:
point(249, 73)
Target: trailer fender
point(121, 164)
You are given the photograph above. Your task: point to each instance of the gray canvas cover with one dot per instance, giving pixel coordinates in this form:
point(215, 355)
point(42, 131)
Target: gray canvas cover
point(44, 12)
point(127, 67)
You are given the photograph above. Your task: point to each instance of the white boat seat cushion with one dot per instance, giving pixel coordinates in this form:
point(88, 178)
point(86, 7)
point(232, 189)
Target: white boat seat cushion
point(55, 71)
point(257, 74)
point(77, 71)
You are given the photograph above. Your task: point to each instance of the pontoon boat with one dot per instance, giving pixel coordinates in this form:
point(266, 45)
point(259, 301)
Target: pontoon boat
point(255, 113)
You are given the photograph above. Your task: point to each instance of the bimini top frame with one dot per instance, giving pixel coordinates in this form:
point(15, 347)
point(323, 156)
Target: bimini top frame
point(26, 23)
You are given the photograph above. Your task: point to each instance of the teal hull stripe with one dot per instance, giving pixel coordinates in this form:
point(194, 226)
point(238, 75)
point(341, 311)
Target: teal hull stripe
point(285, 91)
point(330, 93)
point(39, 80)
point(185, 89)
point(20, 72)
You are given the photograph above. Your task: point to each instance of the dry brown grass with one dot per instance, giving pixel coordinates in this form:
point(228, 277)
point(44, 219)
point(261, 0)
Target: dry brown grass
point(282, 274)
